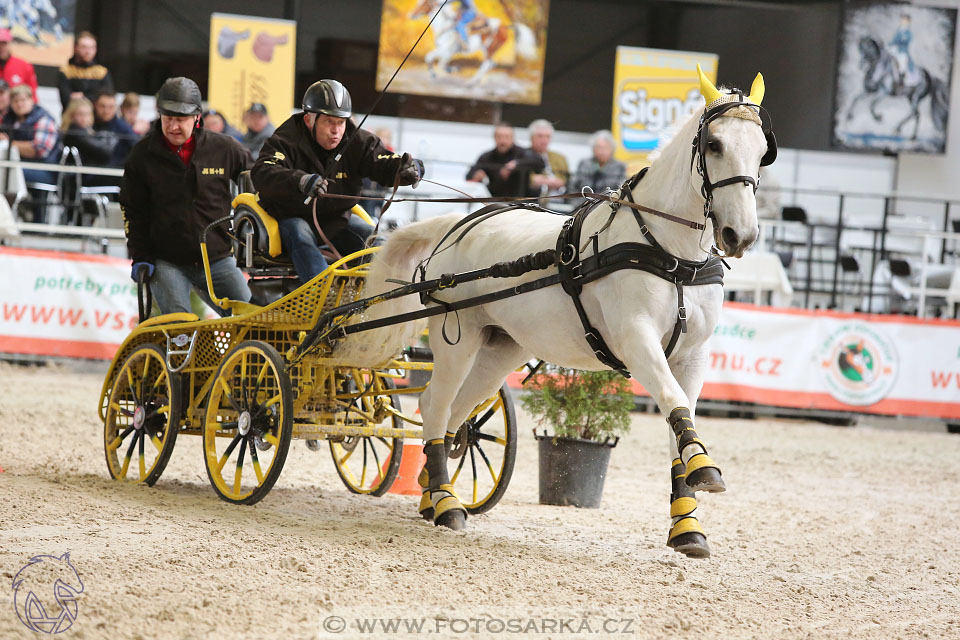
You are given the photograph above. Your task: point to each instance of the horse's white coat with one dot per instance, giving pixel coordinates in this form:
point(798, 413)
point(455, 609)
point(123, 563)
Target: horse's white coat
point(634, 311)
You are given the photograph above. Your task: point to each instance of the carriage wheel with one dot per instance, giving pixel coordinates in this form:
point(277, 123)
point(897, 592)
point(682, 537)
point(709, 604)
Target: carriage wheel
point(144, 407)
point(369, 464)
point(483, 453)
point(248, 423)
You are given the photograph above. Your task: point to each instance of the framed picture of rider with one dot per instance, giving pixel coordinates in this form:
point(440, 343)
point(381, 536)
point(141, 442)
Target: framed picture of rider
point(489, 50)
point(893, 77)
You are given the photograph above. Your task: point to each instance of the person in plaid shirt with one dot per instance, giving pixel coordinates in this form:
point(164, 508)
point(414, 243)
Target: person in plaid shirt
point(33, 131)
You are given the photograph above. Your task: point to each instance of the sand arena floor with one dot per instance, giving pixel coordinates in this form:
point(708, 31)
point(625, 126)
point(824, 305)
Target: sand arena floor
point(824, 532)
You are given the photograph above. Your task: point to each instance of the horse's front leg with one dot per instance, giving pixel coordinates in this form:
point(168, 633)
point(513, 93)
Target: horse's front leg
point(873, 108)
point(855, 102)
point(692, 469)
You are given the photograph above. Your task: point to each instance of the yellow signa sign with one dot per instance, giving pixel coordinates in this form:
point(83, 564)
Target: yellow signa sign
point(653, 89)
point(251, 60)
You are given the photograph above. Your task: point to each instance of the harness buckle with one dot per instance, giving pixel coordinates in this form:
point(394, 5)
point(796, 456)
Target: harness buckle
point(575, 271)
point(676, 263)
point(682, 313)
point(573, 255)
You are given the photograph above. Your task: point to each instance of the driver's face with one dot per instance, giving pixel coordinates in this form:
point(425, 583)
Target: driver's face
point(177, 129)
point(329, 130)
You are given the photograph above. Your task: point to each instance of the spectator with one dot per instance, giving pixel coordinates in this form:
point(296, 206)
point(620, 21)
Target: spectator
point(175, 183)
point(130, 112)
point(259, 128)
point(600, 172)
point(82, 76)
point(15, 70)
point(34, 133)
point(556, 173)
point(77, 129)
point(4, 99)
point(215, 121)
point(106, 121)
point(505, 168)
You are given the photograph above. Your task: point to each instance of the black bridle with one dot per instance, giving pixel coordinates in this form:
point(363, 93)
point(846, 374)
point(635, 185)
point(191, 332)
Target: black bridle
point(699, 151)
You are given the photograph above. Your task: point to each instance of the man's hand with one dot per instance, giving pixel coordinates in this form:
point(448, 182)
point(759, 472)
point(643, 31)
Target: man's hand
point(312, 185)
point(141, 266)
point(478, 176)
point(507, 169)
point(411, 172)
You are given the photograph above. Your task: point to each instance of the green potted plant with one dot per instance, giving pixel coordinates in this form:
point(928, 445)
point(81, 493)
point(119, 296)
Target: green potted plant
point(586, 410)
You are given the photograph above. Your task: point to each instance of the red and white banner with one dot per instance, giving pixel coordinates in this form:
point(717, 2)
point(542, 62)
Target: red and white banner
point(64, 304)
point(865, 363)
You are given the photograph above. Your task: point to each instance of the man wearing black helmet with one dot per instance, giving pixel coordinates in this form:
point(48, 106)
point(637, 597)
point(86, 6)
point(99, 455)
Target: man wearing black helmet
point(176, 181)
point(316, 152)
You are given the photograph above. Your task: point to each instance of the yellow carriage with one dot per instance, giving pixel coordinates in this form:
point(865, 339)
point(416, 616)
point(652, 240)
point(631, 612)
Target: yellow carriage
point(248, 386)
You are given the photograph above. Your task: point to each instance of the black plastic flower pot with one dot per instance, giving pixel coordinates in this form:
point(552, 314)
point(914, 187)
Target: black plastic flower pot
point(572, 471)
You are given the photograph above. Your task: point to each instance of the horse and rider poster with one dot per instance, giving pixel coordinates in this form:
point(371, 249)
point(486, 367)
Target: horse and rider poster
point(42, 30)
point(475, 49)
point(893, 77)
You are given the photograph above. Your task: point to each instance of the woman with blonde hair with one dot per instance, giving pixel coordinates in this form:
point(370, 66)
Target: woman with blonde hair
point(77, 130)
point(130, 112)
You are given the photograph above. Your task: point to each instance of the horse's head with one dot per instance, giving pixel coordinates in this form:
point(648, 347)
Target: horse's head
point(731, 145)
point(869, 49)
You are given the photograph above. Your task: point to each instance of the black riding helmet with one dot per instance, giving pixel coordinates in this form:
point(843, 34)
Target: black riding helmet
point(179, 97)
point(328, 97)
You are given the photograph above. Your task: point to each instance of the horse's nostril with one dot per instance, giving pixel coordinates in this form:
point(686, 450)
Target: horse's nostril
point(729, 236)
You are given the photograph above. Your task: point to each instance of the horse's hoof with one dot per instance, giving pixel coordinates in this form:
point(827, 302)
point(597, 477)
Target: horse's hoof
point(706, 479)
point(453, 519)
point(427, 514)
point(691, 544)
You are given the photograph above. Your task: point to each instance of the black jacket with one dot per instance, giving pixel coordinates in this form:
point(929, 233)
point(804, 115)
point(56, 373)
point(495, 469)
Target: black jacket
point(90, 78)
point(166, 204)
point(95, 148)
point(291, 152)
point(516, 183)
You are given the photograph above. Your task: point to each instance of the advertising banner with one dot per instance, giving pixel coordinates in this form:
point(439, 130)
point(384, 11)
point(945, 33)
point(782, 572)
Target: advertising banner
point(64, 304)
point(481, 49)
point(252, 60)
point(42, 30)
point(653, 89)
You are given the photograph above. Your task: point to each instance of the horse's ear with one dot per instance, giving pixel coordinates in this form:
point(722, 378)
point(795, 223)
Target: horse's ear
point(757, 89)
point(707, 90)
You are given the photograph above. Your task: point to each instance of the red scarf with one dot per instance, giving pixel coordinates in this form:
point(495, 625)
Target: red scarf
point(184, 151)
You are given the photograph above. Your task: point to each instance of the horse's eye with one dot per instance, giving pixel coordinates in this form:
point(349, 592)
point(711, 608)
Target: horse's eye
point(714, 146)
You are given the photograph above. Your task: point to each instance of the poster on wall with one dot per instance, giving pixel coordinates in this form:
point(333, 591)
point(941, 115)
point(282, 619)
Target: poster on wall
point(252, 60)
point(893, 77)
point(477, 49)
point(652, 90)
point(41, 30)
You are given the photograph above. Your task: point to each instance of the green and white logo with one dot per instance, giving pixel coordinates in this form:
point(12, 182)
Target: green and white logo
point(859, 364)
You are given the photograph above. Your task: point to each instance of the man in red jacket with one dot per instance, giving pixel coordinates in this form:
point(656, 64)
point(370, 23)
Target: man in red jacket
point(15, 70)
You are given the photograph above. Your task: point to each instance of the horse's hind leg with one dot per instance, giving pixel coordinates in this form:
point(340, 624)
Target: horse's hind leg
point(497, 357)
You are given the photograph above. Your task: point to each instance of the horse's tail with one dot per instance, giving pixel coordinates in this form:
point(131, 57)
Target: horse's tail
point(396, 260)
point(526, 42)
point(939, 103)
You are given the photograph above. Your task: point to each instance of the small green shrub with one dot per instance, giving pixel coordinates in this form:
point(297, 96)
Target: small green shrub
point(592, 405)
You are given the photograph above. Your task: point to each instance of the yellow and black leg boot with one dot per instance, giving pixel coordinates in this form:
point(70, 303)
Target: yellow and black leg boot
point(426, 505)
point(686, 535)
point(702, 473)
point(447, 509)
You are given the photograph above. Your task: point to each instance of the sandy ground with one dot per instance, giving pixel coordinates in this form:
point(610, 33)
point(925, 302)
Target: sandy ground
point(824, 532)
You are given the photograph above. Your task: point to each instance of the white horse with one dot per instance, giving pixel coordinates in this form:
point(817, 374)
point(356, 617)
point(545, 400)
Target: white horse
point(447, 42)
point(634, 311)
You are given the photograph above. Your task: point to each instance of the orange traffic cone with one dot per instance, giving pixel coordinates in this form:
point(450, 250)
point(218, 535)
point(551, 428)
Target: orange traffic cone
point(410, 466)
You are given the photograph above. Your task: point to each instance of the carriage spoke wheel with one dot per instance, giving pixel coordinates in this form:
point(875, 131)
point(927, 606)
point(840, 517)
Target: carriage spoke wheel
point(369, 464)
point(248, 423)
point(142, 417)
point(483, 453)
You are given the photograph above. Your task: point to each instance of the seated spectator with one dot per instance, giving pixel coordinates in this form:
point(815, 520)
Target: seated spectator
point(107, 121)
point(553, 179)
point(15, 70)
point(82, 75)
point(215, 121)
point(505, 168)
point(34, 132)
point(4, 99)
point(600, 172)
point(130, 112)
point(95, 149)
point(259, 128)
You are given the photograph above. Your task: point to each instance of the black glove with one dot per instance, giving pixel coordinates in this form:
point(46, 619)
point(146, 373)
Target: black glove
point(411, 172)
point(312, 185)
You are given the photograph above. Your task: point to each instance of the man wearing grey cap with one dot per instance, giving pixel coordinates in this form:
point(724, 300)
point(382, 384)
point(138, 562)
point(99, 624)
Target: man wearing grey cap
point(259, 128)
point(176, 182)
